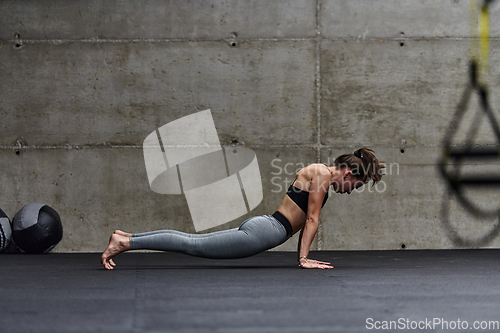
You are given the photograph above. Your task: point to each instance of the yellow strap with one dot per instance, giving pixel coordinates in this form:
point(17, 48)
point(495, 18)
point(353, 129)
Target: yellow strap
point(480, 47)
point(484, 41)
point(474, 45)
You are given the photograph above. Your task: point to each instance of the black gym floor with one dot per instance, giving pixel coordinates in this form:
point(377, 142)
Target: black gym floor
point(171, 292)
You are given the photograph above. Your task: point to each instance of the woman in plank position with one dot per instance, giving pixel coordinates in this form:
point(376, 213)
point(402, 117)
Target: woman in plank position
point(299, 211)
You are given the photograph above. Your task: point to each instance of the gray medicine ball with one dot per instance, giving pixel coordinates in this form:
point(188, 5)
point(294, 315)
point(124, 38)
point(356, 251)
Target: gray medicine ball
point(36, 228)
point(5, 230)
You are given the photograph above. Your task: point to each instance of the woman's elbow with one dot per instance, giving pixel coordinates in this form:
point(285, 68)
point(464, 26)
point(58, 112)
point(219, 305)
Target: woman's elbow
point(311, 221)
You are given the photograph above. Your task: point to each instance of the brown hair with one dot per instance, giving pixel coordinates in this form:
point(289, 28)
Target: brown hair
point(363, 164)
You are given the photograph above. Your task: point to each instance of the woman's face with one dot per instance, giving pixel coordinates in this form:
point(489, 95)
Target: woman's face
point(348, 183)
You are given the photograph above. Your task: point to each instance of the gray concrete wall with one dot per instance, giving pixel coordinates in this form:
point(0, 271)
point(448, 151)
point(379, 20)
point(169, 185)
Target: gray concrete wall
point(84, 82)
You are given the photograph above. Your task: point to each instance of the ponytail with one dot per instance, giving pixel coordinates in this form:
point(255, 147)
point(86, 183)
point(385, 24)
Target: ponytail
point(363, 164)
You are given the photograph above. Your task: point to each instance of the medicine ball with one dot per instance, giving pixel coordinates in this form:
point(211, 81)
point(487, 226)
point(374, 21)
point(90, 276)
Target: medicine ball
point(36, 228)
point(5, 230)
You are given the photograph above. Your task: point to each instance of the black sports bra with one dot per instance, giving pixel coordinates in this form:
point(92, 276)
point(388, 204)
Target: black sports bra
point(301, 197)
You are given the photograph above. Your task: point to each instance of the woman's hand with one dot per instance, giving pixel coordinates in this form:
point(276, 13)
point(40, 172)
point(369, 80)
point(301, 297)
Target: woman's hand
point(310, 263)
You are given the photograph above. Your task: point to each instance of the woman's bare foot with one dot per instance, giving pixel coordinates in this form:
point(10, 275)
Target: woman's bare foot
point(117, 244)
point(123, 233)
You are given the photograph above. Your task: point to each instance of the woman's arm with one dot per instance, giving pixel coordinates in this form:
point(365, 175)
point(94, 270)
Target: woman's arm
point(318, 186)
point(309, 232)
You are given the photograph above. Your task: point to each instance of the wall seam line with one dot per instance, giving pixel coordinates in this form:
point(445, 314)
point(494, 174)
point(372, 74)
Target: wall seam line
point(188, 40)
point(257, 146)
point(318, 107)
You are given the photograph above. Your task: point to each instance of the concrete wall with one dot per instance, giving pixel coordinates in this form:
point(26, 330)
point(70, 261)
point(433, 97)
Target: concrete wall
point(84, 82)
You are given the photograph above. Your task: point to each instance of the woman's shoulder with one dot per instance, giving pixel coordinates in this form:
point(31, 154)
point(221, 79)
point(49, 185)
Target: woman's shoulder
point(315, 169)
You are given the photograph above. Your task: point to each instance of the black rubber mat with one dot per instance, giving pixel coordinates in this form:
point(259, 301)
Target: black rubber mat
point(171, 292)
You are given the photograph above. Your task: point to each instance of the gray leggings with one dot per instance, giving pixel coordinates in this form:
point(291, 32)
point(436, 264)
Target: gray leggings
point(253, 236)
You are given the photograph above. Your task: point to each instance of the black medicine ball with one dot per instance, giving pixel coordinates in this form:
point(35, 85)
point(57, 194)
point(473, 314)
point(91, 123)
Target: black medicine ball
point(36, 228)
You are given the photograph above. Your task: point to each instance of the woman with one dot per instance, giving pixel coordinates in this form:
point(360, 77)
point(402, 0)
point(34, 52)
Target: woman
point(299, 210)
